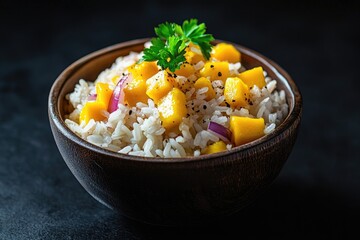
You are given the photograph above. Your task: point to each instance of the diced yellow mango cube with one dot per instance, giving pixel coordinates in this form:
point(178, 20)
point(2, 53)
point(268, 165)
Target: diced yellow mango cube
point(135, 92)
point(115, 79)
point(172, 109)
point(159, 85)
point(92, 110)
point(204, 82)
point(216, 70)
point(214, 148)
point(236, 92)
point(193, 54)
point(226, 52)
point(143, 70)
point(103, 94)
point(253, 77)
point(246, 129)
point(185, 70)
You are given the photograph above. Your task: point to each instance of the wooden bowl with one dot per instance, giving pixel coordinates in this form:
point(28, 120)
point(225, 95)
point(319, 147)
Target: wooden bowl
point(173, 191)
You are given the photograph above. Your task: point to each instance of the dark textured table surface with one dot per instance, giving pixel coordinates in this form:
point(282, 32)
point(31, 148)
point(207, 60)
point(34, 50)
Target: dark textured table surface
point(317, 193)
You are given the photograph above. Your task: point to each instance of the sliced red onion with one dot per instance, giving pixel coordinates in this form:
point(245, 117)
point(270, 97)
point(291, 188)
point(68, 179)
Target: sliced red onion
point(123, 85)
point(118, 94)
point(92, 97)
point(219, 130)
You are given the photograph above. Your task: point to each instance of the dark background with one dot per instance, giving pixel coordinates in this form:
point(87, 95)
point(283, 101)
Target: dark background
point(317, 194)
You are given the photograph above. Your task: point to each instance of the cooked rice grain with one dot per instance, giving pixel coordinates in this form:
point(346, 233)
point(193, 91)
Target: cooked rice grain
point(138, 131)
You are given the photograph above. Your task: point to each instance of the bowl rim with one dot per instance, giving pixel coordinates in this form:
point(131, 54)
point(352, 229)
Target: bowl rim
point(294, 113)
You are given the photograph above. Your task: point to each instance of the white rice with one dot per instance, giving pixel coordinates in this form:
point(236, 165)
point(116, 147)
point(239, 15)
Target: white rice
point(138, 130)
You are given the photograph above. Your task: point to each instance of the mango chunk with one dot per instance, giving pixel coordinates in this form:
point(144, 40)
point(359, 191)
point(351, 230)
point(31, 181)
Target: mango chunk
point(236, 92)
point(253, 77)
point(115, 79)
point(193, 54)
point(95, 109)
point(214, 148)
point(135, 92)
point(225, 52)
point(103, 94)
point(185, 70)
point(204, 82)
point(92, 110)
point(144, 70)
point(246, 129)
point(216, 70)
point(172, 109)
point(159, 85)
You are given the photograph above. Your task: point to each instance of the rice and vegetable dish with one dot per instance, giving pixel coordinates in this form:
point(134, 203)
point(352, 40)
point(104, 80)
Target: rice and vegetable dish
point(180, 96)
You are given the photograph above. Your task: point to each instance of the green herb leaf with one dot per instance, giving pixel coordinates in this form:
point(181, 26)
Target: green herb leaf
point(169, 55)
point(168, 49)
point(204, 44)
point(165, 30)
point(152, 53)
point(196, 34)
point(176, 48)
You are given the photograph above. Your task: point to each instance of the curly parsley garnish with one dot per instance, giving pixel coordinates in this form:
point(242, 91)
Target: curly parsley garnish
point(168, 49)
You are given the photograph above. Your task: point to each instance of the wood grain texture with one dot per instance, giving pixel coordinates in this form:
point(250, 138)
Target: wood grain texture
point(181, 191)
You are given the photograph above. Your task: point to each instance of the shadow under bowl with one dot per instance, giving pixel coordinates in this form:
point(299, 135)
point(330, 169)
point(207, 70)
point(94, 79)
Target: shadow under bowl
point(173, 191)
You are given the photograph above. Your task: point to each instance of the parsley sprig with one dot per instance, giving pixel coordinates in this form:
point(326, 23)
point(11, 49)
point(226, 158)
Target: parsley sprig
point(168, 49)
